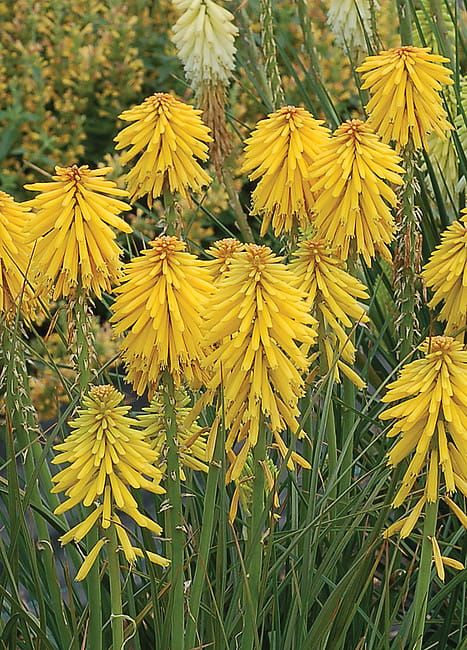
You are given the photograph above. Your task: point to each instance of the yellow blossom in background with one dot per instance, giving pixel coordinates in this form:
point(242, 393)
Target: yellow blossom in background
point(223, 252)
point(404, 85)
point(430, 421)
point(255, 322)
point(160, 305)
point(15, 259)
point(73, 232)
point(333, 295)
point(106, 455)
point(204, 36)
point(278, 154)
point(190, 437)
point(351, 180)
point(350, 20)
point(169, 138)
point(446, 275)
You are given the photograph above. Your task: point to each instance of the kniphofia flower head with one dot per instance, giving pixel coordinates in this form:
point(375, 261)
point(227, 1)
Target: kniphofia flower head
point(350, 21)
point(190, 436)
point(73, 231)
point(404, 84)
point(430, 421)
point(278, 154)
point(223, 252)
point(204, 36)
point(446, 275)
point(160, 304)
point(107, 457)
point(256, 322)
point(333, 295)
point(15, 259)
point(169, 138)
point(351, 179)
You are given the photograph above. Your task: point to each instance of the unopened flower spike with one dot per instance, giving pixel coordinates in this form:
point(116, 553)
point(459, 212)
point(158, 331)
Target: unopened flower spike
point(190, 436)
point(169, 140)
point(350, 21)
point(351, 179)
point(159, 308)
point(107, 458)
point(278, 155)
point(405, 86)
point(333, 295)
point(205, 39)
point(15, 259)
point(430, 425)
point(204, 36)
point(256, 322)
point(73, 230)
point(446, 275)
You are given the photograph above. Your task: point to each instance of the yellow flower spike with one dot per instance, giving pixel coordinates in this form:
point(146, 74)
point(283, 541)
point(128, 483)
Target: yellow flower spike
point(223, 252)
point(191, 440)
point(160, 304)
point(333, 295)
point(257, 319)
point(430, 418)
point(351, 180)
point(438, 560)
point(169, 138)
point(106, 457)
point(279, 154)
point(73, 231)
point(446, 275)
point(404, 85)
point(15, 259)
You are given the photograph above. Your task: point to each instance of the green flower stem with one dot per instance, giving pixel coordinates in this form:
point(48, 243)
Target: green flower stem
point(348, 418)
point(175, 521)
point(254, 547)
point(115, 590)
point(348, 432)
point(328, 411)
point(422, 589)
point(405, 21)
point(407, 258)
point(204, 548)
point(93, 580)
point(241, 218)
point(270, 54)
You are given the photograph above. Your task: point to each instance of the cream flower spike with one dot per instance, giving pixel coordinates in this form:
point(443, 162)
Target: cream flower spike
point(204, 36)
point(350, 20)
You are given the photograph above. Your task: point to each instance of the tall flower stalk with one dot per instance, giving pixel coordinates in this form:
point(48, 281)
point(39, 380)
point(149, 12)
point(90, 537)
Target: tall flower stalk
point(405, 106)
point(160, 306)
point(76, 255)
point(106, 455)
point(430, 425)
point(19, 303)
